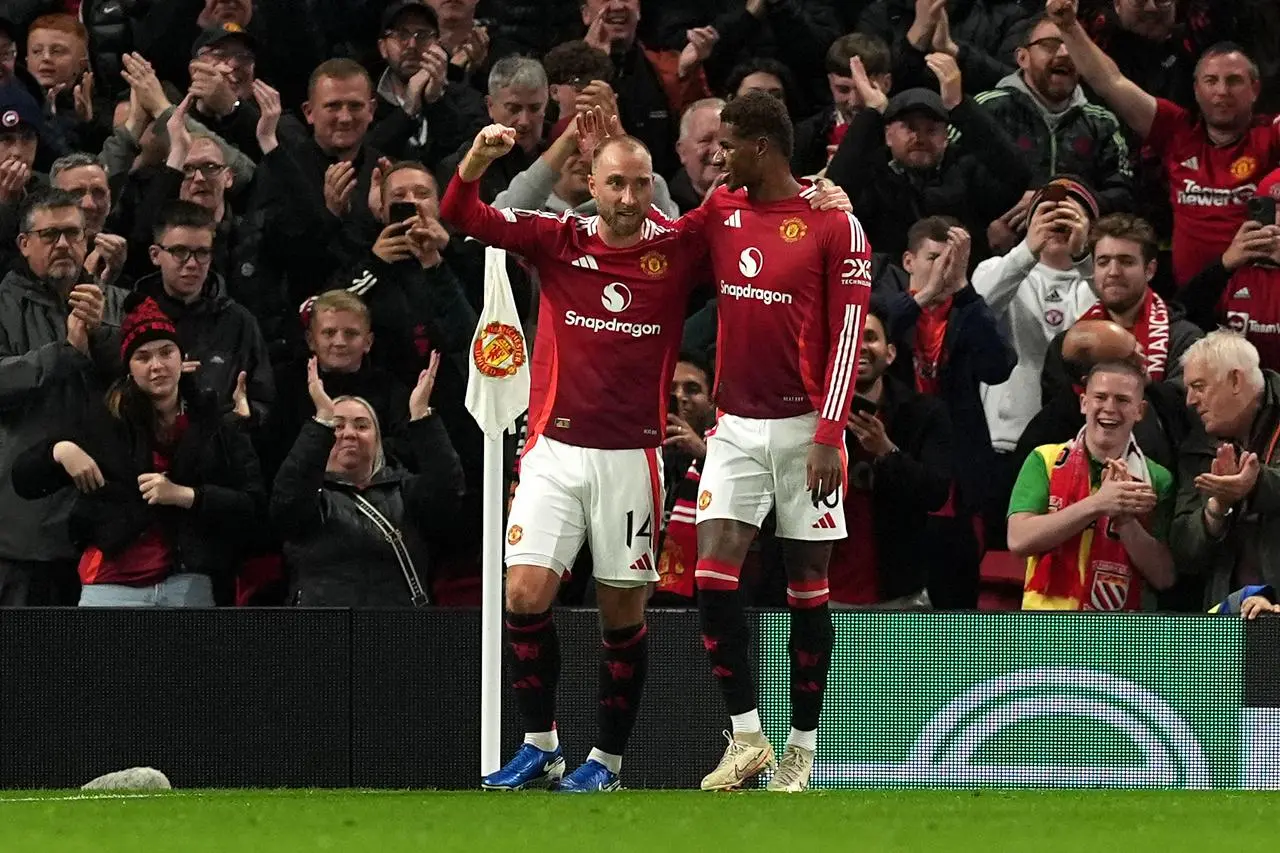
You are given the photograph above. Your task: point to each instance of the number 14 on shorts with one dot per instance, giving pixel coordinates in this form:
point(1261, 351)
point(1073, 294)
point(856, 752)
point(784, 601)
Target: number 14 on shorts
point(645, 531)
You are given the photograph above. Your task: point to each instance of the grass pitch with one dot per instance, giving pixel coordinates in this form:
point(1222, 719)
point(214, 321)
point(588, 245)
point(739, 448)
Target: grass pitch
point(652, 822)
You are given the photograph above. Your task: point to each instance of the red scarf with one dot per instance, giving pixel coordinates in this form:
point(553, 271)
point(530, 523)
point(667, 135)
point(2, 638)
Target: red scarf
point(1091, 568)
point(931, 334)
point(1151, 330)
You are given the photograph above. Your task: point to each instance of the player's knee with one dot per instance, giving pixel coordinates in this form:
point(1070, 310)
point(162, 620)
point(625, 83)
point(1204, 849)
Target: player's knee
point(806, 561)
point(621, 606)
point(724, 541)
point(530, 589)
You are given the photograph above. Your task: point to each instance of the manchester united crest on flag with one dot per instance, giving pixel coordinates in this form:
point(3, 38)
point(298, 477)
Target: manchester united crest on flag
point(1110, 587)
point(498, 350)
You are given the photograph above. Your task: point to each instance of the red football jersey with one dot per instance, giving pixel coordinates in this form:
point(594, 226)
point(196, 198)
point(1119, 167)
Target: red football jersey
point(1208, 184)
point(1250, 304)
point(609, 319)
point(792, 286)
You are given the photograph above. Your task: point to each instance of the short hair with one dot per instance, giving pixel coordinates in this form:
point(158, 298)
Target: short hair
point(699, 360)
point(518, 71)
point(1223, 48)
point(61, 23)
point(686, 118)
point(614, 141)
point(205, 136)
point(1126, 368)
point(341, 300)
point(935, 228)
point(762, 65)
point(408, 166)
point(879, 309)
point(872, 50)
point(576, 60)
point(48, 198)
point(340, 68)
point(1126, 226)
point(756, 115)
point(1224, 350)
point(74, 160)
point(181, 214)
point(1027, 27)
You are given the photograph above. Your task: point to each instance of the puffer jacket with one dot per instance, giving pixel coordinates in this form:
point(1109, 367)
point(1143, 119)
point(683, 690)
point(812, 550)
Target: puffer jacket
point(1084, 139)
point(986, 31)
point(44, 384)
point(335, 555)
point(213, 457)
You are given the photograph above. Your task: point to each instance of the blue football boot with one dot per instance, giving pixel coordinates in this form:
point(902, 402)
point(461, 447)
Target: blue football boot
point(530, 768)
point(591, 776)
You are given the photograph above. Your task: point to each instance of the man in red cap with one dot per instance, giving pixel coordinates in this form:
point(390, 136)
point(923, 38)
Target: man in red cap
point(1241, 289)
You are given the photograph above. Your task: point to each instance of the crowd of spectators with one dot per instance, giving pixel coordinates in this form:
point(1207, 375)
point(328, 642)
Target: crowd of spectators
point(235, 333)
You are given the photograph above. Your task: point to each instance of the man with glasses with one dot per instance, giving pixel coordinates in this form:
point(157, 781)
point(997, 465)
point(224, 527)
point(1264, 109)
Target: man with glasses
point(221, 341)
point(420, 114)
point(222, 77)
point(59, 348)
point(1044, 109)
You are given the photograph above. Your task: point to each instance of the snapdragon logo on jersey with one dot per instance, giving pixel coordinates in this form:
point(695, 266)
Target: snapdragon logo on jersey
point(1198, 195)
point(750, 265)
point(616, 298)
point(1046, 700)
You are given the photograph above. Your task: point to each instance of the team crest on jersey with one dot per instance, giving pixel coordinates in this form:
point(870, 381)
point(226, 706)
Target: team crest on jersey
point(653, 264)
point(498, 350)
point(704, 499)
point(792, 230)
point(1244, 167)
point(515, 534)
point(1110, 587)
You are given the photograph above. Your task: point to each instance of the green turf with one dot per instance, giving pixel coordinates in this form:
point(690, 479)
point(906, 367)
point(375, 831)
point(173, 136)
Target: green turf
point(653, 822)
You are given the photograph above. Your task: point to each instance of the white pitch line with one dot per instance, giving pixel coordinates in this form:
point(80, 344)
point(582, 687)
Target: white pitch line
point(158, 794)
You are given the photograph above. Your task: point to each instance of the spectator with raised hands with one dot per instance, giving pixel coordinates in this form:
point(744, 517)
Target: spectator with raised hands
point(20, 127)
point(84, 176)
point(980, 35)
point(167, 490)
point(421, 114)
point(956, 348)
point(59, 347)
point(818, 136)
point(897, 164)
point(465, 40)
point(1212, 159)
point(358, 530)
point(1036, 291)
point(57, 56)
point(1226, 527)
point(222, 69)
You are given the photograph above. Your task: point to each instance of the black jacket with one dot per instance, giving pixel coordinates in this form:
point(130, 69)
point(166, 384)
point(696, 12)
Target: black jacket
point(906, 486)
point(222, 335)
point(212, 457)
point(977, 180)
point(335, 555)
point(974, 353)
point(302, 240)
point(809, 154)
point(986, 31)
point(451, 121)
point(497, 177)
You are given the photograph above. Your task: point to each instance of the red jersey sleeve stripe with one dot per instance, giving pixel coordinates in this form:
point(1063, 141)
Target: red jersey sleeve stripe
point(846, 362)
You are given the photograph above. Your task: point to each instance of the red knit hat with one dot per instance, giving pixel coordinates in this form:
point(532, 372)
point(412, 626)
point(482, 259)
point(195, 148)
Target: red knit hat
point(144, 322)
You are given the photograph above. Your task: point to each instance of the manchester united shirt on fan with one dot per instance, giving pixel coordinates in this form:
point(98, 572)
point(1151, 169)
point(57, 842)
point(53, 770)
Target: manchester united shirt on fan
point(610, 319)
point(1209, 184)
point(792, 288)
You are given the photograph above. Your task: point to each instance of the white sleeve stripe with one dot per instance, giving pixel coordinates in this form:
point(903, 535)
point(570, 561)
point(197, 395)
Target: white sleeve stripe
point(846, 364)
point(857, 239)
point(508, 214)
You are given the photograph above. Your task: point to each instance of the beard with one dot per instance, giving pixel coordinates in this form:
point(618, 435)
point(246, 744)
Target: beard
point(623, 222)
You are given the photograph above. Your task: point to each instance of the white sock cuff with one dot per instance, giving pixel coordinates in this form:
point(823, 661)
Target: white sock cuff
point(613, 762)
point(746, 723)
point(805, 740)
point(545, 741)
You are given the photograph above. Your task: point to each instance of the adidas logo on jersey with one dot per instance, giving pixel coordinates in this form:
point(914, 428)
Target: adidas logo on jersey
point(827, 522)
point(586, 262)
point(1192, 163)
point(1242, 293)
point(734, 220)
point(644, 564)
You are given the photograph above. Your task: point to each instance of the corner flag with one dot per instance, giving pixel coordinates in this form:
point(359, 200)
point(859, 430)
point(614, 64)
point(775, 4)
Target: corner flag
point(498, 376)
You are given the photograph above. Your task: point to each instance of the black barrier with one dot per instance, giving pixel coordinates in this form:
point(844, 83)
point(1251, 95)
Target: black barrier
point(335, 698)
point(313, 698)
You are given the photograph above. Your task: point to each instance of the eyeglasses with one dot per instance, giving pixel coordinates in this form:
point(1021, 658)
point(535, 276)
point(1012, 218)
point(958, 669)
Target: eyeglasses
point(231, 57)
point(182, 254)
point(409, 36)
point(206, 170)
point(1050, 44)
point(51, 236)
